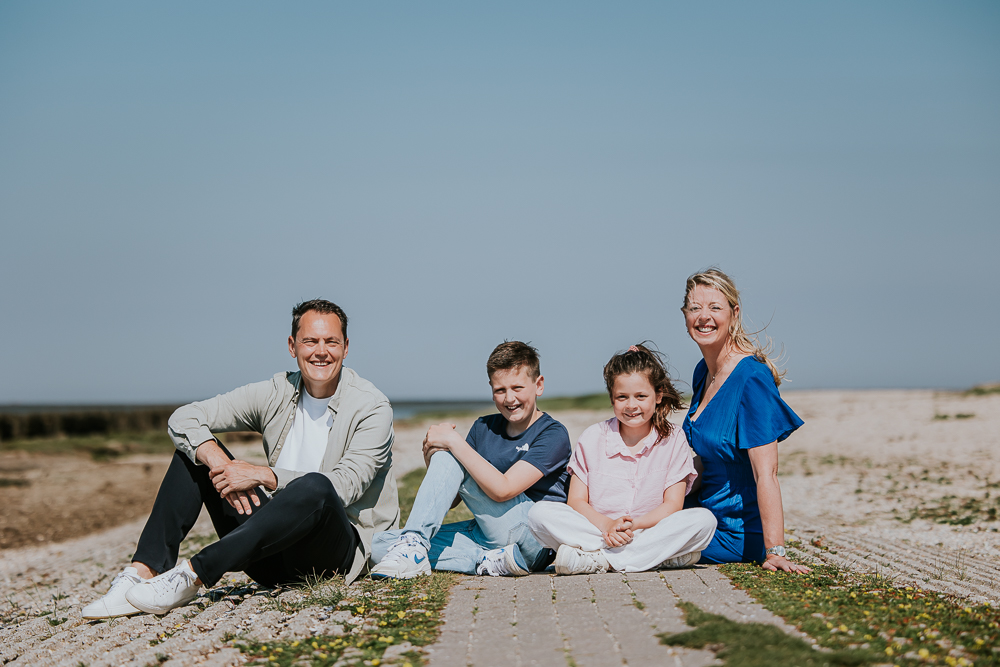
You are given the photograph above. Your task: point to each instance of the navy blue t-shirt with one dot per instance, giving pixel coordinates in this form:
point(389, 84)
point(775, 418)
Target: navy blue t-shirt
point(544, 445)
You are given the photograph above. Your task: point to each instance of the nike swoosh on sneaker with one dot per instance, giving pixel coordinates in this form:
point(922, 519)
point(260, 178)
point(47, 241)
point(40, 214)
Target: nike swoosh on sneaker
point(418, 560)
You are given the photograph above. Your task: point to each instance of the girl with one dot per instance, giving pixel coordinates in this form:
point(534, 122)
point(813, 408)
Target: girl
point(629, 478)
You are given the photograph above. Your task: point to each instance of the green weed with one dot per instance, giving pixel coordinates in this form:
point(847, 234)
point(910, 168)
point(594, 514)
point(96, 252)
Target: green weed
point(754, 644)
point(386, 612)
point(907, 625)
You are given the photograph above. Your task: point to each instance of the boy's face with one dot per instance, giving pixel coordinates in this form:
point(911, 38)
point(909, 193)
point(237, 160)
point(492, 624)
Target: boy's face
point(515, 393)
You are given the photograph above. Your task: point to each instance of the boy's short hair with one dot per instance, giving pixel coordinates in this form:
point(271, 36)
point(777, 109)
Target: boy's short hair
point(321, 306)
point(512, 355)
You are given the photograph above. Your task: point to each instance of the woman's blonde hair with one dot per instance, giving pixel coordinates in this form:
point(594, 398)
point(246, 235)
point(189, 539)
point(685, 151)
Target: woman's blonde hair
point(741, 340)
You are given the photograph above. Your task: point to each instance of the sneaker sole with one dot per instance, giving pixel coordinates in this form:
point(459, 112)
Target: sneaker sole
point(512, 566)
point(159, 611)
point(404, 575)
point(131, 611)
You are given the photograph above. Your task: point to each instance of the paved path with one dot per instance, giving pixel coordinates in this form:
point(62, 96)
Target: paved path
point(587, 621)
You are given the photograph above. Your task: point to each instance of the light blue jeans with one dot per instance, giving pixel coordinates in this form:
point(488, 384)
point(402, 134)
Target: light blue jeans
point(459, 547)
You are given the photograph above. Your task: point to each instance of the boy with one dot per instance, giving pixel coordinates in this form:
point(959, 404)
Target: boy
point(507, 463)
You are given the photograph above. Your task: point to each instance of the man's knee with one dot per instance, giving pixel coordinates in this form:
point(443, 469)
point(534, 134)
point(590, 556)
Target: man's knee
point(312, 487)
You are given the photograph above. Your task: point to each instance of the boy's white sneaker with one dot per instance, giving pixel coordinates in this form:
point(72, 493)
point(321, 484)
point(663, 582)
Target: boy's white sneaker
point(174, 588)
point(681, 561)
point(573, 560)
point(113, 603)
point(406, 558)
point(503, 562)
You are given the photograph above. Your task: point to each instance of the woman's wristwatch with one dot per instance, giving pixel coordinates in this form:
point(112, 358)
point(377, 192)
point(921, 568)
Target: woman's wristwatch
point(778, 550)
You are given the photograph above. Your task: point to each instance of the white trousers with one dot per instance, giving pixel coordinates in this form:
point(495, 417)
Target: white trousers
point(680, 533)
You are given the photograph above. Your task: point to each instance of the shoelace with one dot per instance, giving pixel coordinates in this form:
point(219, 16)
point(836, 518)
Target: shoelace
point(123, 577)
point(185, 579)
point(403, 550)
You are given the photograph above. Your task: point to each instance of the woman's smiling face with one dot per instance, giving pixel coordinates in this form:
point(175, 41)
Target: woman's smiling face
point(708, 316)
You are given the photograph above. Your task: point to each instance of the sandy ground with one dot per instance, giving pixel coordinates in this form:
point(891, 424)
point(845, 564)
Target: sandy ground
point(887, 481)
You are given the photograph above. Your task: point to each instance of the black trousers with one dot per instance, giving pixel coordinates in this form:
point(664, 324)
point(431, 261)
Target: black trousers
point(301, 531)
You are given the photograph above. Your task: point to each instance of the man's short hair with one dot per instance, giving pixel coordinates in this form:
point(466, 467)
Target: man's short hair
point(321, 306)
point(512, 355)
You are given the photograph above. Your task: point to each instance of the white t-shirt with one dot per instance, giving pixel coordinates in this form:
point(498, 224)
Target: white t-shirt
point(307, 438)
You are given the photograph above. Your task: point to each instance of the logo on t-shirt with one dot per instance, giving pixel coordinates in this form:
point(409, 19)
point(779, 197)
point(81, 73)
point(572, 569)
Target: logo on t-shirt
point(522, 448)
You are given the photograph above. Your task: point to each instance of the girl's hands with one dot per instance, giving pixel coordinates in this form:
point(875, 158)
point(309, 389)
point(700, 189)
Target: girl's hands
point(776, 563)
point(618, 532)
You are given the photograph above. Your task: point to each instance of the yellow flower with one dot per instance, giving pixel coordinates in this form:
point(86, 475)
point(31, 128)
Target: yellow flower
point(401, 614)
point(279, 650)
point(829, 626)
point(361, 610)
point(295, 643)
point(376, 661)
point(854, 595)
point(427, 613)
point(843, 628)
point(888, 650)
point(923, 653)
point(315, 646)
point(979, 642)
point(382, 623)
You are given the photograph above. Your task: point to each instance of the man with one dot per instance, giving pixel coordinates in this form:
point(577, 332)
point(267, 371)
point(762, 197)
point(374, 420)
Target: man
point(327, 489)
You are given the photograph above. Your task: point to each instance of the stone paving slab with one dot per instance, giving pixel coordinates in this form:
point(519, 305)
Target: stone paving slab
point(588, 621)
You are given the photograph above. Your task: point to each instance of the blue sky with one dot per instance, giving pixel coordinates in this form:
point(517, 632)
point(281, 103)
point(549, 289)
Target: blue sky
point(174, 177)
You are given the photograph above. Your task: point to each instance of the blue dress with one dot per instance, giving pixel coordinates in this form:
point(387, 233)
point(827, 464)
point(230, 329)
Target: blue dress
point(746, 412)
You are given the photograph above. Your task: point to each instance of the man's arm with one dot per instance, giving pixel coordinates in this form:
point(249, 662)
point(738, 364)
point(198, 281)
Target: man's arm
point(233, 478)
point(497, 485)
point(192, 425)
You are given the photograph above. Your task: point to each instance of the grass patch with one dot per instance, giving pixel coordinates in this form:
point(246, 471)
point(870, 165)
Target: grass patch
point(983, 389)
point(408, 485)
point(754, 644)
point(955, 511)
point(395, 615)
point(905, 625)
point(98, 447)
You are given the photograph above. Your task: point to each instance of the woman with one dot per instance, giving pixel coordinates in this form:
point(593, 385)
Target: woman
point(735, 422)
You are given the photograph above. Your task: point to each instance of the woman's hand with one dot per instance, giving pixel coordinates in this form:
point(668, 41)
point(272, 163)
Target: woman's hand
point(776, 563)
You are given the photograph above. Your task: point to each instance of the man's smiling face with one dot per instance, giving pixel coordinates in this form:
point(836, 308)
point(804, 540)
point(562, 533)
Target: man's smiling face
point(319, 348)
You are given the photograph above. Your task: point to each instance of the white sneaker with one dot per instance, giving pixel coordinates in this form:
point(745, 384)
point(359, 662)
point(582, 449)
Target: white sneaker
point(406, 558)
point(114, 603)
point(680, 561)
point(503, 562)
point(174, 588)
point(573, 560)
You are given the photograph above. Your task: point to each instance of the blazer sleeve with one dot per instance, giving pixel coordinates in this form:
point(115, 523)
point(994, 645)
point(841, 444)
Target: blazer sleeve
point(238, 410)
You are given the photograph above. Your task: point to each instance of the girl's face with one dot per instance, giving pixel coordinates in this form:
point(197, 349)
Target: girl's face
point(634, 400)
point(708, 316)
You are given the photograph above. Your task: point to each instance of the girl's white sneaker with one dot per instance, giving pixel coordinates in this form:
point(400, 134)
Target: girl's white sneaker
point(113, 603)
point(174, 588)
point(681, 561)
point(573, 560)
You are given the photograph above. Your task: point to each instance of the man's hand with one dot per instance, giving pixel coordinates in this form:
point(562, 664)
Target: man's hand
point(232, 478)
point(440, 438)
point(618, 532)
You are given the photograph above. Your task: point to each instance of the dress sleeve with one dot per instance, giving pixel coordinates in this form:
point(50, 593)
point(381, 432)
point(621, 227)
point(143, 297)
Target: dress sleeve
point(763, 417)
